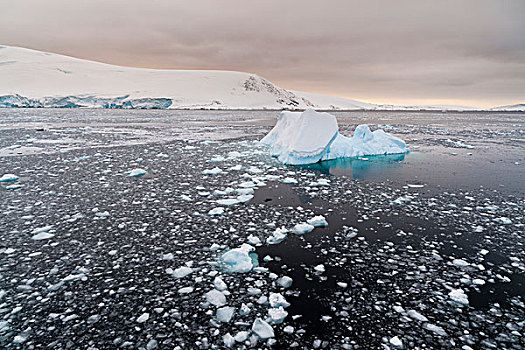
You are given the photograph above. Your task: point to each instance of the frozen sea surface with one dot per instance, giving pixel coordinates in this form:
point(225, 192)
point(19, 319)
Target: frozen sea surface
point(135, 262)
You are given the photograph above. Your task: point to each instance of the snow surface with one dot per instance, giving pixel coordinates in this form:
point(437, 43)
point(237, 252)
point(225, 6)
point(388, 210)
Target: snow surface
point(309, 137)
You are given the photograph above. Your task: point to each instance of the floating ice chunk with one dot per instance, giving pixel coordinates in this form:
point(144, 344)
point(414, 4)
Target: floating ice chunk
point(243, 198)
point(143, 318)
point(12, 187)
point(138, 172)
point(244, 310)
point(416, 316)
point(216, 159)
point(219, 284)
point(302, 228)
point(152, 344)
point(182, 272)
point(308, 137)
point(478, 281)
point(228, 340)
point(277, 315)
point(228, 201)
point(214, 171)
point(284, 282)
point(289, 180)
point(216, 211)
point(8, 178)
point(460, 263)
point(216, 297)
point(396, 343)
point(276, 300)
point(245, 191)
point(238, 259)
point(458, 296)
point(254, 240)
point(185, 198)
point(225, 314)
point(503, 220)
point(262, 329)
point(401, 200)
point(74, 277)
point(186, 290)
point(318, 221)
point(42, 233)
point(237, 167)
point(319, 268)
point(277, 236)
point(436, 329)
point(241, 336)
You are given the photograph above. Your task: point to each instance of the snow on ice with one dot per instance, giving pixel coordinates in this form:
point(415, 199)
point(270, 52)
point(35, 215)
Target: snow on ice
point(310, 137)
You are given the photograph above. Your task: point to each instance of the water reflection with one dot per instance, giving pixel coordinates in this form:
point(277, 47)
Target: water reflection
point(359, 168)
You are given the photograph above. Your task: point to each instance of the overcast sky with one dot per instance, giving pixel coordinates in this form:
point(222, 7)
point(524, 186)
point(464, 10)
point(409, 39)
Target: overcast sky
point(404, 52)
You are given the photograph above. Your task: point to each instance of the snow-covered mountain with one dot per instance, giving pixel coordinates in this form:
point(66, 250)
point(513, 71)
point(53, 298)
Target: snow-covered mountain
point(512, 108)
point(30, 78)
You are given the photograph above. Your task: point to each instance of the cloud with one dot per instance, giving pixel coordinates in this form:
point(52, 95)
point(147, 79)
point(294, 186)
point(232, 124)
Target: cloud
point(383, 51)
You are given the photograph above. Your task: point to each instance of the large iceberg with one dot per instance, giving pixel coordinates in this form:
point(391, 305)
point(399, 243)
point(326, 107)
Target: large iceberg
point(310, 137)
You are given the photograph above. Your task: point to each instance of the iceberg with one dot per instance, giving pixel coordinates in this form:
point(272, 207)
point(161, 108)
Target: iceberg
point(239, 259)
point(310, 137)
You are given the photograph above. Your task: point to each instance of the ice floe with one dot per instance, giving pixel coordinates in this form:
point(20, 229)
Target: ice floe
point(310, 137)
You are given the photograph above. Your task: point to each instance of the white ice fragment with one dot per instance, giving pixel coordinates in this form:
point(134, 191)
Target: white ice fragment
point(216, 298)
point(318, 221)
point(319, 268)
point(503, 220)
point(436, 329)
point(41, 233)
point(228, 201)
point(277, 315)
point(396, 343)
point(186, 290)
point(284, 282)
point(302, 228)
point(219, 284)
point(216, 211)
point(8, 178)
point(460, 263)
point(262, 329)
point(254, 240)
point(238, 259)
point(225, 314)
point(214, 171)
point(241, 336)
point(289, 180)
point(458, 296)
point(228, 340)
point(416, 316)
point(138, 172)
point(182, 272)
point(277, 236)
point(277, 300)
point(143, 318)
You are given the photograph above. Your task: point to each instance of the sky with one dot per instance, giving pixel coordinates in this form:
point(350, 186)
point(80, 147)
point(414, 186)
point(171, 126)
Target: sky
point(463, 52)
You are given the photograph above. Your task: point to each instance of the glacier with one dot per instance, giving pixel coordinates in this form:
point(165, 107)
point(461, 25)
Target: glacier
point(310, 137)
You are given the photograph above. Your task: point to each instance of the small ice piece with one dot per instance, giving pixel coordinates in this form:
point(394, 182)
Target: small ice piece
point(436, 329)
point(288, 329)
point(41, 233)
point(319, 268)
point(414, 186)
point(216, 297)
point(13, 187)
point(237, 167)
point(396, 343)
point(225, 314)
point(318, 221)
point(152, 344)
point(137, 172)
point(8, 178)
point(216, 211)
point(416, 316)
point(302, 228)
point(458, 296)
point(460, 263)
point(401, 200)
point(186, 290)
point(289, 180)
point(241, 336)
point(182, 272)
point(262, 329)
point(276, 300)
point(277, 315)
point(342, 284)
point(143, 318)
point(244, 310)
point(243, 198)
point(228, 201)
point(503, 220)
point(228, 340)
point(216, 159)
point(219, 284)
point(238, 259)
point(214, 171)
point(277, 236)
point(478, 281)
point(284, 282)
point(254, 240)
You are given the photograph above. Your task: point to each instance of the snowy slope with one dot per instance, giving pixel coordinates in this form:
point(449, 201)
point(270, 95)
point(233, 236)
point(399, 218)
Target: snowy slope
point(34, 78)
point(512, 108)
point(331, 102)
